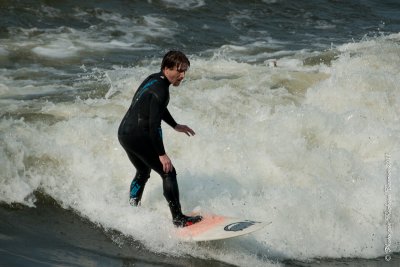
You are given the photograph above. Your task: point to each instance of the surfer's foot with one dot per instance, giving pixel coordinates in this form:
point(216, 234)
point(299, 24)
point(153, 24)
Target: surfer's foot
point(183, 220)
point(134, 201)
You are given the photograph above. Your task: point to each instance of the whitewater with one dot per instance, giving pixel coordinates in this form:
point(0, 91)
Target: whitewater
point(295, 109)
point(300, 145)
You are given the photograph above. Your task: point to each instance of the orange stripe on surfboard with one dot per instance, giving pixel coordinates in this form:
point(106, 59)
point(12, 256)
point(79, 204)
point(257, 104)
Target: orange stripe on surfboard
point(208, 222)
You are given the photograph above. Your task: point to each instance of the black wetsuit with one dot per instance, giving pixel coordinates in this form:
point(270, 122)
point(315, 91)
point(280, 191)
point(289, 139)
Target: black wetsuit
point(140, 135)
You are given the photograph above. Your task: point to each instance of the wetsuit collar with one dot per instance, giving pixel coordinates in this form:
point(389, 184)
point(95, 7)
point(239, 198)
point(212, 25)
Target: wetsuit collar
point(163, 77)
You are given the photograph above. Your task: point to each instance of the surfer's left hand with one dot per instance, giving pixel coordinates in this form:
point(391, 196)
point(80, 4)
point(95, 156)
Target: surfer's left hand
point(184, 129)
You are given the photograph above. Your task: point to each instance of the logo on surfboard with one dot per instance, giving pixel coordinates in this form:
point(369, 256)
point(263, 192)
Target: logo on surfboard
point(239, 226)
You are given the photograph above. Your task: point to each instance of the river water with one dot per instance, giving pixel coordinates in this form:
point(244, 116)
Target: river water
point(295, 105)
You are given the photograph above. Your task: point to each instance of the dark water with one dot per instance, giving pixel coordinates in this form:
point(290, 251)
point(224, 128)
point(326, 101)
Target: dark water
point(49, 235)
point(62, 62)
point(193, 26)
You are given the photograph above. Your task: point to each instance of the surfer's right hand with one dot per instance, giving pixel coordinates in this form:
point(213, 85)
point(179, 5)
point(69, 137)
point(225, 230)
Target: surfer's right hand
point(166, 163)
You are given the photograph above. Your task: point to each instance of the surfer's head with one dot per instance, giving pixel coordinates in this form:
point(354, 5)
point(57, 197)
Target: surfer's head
point(174, 66)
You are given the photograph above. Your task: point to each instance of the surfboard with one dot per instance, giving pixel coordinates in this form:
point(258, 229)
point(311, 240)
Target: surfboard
point(216, 227)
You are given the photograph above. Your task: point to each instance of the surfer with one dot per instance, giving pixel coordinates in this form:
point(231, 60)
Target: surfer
point(140, 134)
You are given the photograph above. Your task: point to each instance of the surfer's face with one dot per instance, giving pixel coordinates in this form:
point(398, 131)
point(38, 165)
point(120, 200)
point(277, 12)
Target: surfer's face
point(176, 74)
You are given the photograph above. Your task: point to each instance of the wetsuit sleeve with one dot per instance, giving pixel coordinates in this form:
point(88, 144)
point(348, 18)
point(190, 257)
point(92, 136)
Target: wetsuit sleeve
point(156, 110)
point(167, 117)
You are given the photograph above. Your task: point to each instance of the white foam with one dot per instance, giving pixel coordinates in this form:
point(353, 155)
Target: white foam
point(323, 25)
point(64, 42)
point(148, 25)
point(3, 52)
point(51, 11)
point(60, 48)
point(3, 89)
point(270, 1)
point(252, 51)
point(300, 146)
point(184, 4)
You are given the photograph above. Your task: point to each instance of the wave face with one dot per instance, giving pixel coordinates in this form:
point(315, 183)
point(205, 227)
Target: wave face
point(310, 144)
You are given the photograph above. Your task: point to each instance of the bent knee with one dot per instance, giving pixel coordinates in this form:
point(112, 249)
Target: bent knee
point(144, 175)
point(169, 175)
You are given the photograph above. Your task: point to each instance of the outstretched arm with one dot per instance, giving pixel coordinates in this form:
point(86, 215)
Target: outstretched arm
point(167, 117)
point(184, 129)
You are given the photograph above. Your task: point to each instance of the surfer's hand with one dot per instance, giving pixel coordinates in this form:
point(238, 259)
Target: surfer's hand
point(184, 129)
point(166, 163)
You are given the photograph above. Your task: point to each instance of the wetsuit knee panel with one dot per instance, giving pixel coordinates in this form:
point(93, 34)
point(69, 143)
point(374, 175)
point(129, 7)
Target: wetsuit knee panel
point(171, 174)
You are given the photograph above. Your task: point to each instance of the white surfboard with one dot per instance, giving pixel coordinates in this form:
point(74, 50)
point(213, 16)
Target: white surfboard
point(215, 227)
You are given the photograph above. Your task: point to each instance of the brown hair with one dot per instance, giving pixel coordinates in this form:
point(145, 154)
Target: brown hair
point(174, 58)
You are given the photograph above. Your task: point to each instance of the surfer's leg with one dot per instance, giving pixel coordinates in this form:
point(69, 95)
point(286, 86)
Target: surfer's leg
point(170, 190)
point(144, 156)
point(142, 169)
point(171, 194)
point(170, 184)
point(139, 181)
point(136, 189)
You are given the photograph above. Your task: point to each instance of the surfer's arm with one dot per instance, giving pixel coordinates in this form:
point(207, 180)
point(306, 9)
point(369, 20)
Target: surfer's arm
point(166, 163)
point(167, 117)
point(184, 129)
